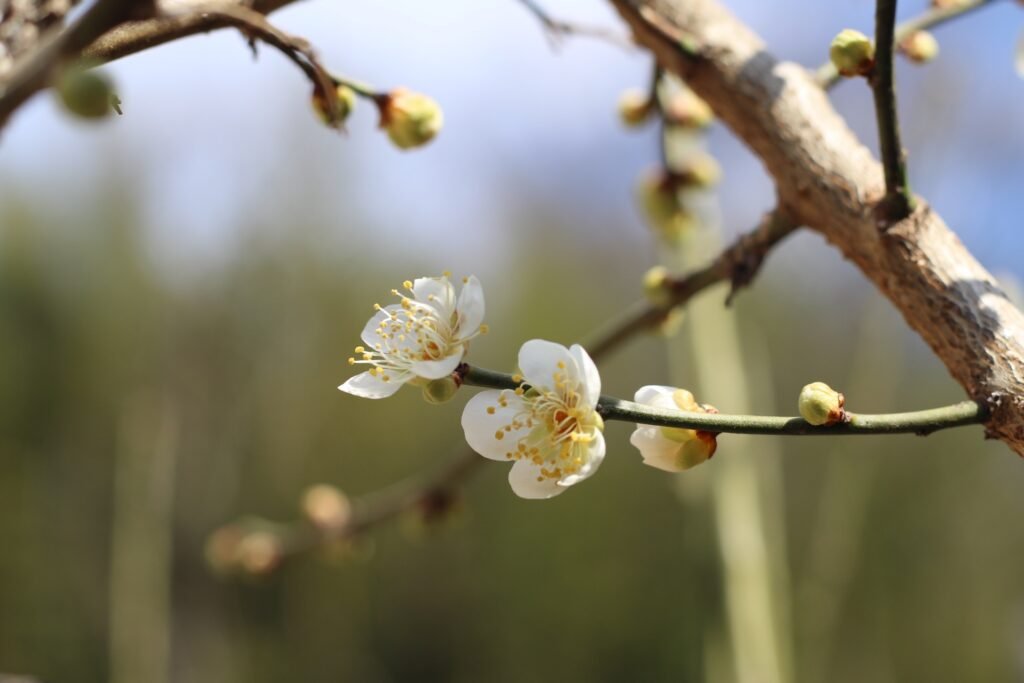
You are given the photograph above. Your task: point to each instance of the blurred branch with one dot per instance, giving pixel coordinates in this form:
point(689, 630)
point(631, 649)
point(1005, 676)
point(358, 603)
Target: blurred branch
point(433, 493)
point(899, 200)
point(921, 422)
point(828, 76)
point(36, 68)
point(556, 29)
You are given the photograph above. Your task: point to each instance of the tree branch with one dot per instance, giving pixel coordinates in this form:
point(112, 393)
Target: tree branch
point(920, 422)
point(828, 181)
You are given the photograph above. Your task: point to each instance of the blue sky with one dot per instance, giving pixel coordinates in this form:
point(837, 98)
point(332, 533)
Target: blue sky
point(214, 144)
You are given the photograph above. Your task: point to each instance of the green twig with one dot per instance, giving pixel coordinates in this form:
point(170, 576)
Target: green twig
point(898, 202)
point(611, 408)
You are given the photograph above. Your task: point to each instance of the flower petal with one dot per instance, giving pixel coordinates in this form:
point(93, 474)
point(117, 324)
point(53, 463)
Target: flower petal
point(656, 450)
point(436, 292)
point(371, 331)
point(539, 359)
point(481, 426)
point(656, 396)
point(436, 369)
point(592, 460)
point(366, 385)
point(589, 377)
point(526, 482)
point(470, 307)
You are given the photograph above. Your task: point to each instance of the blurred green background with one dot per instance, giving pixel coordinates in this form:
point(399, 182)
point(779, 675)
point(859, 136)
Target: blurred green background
point(179, 292)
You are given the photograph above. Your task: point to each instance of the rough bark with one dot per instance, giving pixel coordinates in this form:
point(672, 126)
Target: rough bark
point(827, 179)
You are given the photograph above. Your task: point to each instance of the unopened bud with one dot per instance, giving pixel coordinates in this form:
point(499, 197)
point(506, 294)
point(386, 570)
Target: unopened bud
point(326, 507)
point(920, 47)
point(686, 110)
point(700, 170)
point(852, 53)
point(346, 103)
point(259, 553)
point(659, 199)
point(694, 446)
point(658, 286)
point(411, 119)
point(86, 93)
point(439, 391)
point(820, 404)
point(635, 108)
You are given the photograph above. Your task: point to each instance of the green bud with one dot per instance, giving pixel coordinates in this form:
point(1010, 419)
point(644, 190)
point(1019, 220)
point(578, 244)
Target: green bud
point(820, 404)
point(852, 53)
point(440, 390)
point(920, 47)
point(658, 287)
point(411, 119)
point(701, 170)
point(85, 93)
point(659, 200)
point(686, 110)
point(635, 107)
point(346, 103)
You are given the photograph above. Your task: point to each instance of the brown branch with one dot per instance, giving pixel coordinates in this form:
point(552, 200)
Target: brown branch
point(36, 68)
point(829, 181)
point(556, 29)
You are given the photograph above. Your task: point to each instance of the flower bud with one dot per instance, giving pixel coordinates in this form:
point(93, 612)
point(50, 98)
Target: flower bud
point(820, 404)
point(326, 507)
point(439, 391)
point(221, 548)
point(86, 93)
point(346, 103)
point(635, 108)
point(852, 53)
point(411, 119)
point(686, 110)
point(259, 553)
point(673, 449)
point(920, 47)
point(658, 286)
point(701, 171)
point(659, 199)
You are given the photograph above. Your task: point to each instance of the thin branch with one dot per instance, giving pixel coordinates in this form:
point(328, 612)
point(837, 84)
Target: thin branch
point(898, 202)
point(610, 408)
point(556, 29)
point(37, 68)
point(936, 16)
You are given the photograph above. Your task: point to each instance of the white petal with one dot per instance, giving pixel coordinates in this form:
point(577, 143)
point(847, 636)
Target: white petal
point(656, 396)
point(436, 292)
point(526, 482)
point(436, 369)
point(592, 460)
point(470, 307)
point(539, 359)
point(366, 385)
point(370, 334)
point(481, 427)
point(589, 377)
point(656, 450)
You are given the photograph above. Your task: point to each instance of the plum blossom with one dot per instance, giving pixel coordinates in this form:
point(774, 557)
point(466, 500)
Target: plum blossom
point(672, 449)
point(423, 336)
point(548, 427)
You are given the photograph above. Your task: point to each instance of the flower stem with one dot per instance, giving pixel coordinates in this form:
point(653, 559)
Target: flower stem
point(919, 422)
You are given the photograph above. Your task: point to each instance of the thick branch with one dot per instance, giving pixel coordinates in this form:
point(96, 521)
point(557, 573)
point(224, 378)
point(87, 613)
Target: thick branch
point(830, 182)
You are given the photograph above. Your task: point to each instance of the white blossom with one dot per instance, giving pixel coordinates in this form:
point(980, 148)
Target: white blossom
point(672, 449)
point(425, 335)
point(550, 429)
